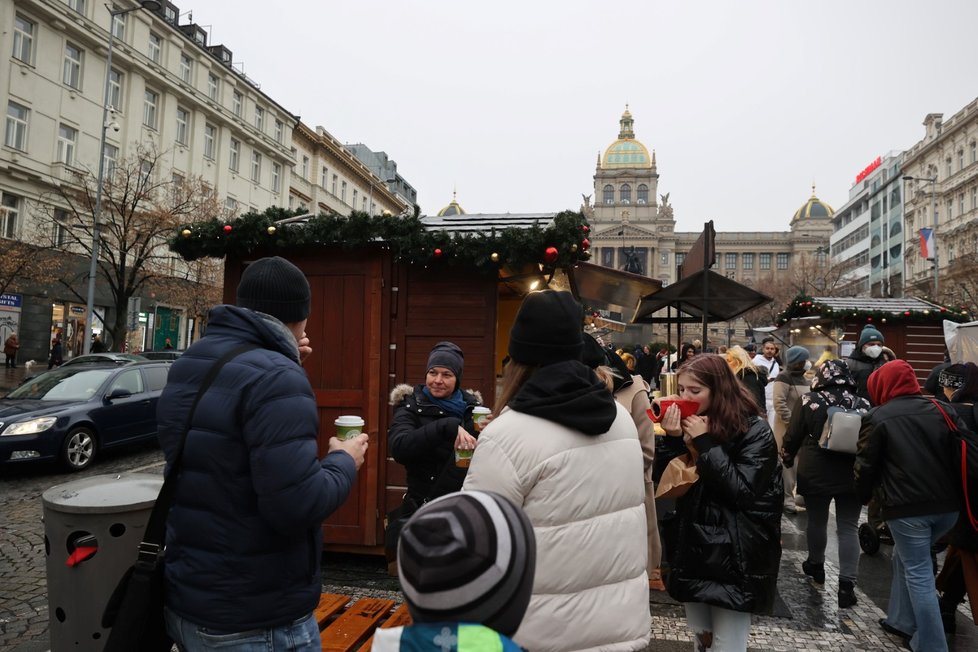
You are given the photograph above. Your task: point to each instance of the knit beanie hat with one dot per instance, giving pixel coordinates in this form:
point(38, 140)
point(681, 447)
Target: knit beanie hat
point(797, 355)
point(275, 287)
point(468, 557)
point(448, 355)
point(548, 329)
point(870, 334)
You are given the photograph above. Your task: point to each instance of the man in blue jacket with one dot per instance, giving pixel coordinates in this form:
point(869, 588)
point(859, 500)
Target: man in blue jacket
point(244, 536)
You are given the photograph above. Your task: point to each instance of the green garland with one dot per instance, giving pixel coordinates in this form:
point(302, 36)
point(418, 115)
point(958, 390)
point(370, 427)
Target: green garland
point(407, 238)
point(806, 306)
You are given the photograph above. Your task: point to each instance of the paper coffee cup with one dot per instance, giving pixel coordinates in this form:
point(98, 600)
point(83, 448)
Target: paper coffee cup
point(479, 414)
point(348, 426)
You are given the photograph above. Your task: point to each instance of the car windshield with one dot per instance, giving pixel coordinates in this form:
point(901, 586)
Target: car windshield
point(63, 384)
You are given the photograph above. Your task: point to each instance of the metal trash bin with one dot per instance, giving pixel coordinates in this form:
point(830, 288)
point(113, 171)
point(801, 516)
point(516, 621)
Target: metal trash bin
point(92, 529)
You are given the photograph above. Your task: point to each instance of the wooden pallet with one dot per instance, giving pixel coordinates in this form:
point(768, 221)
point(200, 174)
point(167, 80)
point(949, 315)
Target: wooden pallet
point(347, 627)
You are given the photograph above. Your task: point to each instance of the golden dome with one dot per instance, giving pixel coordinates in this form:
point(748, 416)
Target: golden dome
point(813, 208)
point(626, 152)
point(452, 209)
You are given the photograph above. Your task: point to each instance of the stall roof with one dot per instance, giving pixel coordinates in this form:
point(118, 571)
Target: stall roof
point(486, 222)
point(894, 305)
point(726, 299)
point(610, 289)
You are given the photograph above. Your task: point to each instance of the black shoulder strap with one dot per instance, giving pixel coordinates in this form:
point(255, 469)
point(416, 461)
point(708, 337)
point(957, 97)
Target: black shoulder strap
point(152, 542)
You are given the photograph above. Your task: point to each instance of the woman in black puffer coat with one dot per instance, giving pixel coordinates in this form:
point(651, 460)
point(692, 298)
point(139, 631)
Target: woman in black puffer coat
point(824, 476)
point(728, 548)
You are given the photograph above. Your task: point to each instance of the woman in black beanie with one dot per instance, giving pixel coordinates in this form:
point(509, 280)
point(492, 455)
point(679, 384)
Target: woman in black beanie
point(561, 448)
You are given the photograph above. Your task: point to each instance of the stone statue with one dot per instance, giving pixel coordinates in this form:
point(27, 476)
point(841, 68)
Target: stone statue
point(665, 210)
point(586, 207)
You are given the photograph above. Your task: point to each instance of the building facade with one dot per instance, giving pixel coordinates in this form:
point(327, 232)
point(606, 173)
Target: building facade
point(633, 228)
point(385, 168)
point(942, 194)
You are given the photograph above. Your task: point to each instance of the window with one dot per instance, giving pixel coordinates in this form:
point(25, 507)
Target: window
point(235, 154)
point(183, 125)
point(323, 177)
point(155, 52)
point(680, 258)
point(609, 194)
point(186, 69)
point(305, 167)
point(782, 261)
point(333, 189)
point(151, 102)
point(974, 152)
point(210, 141)
point(156, 377)
point(145, 171)
point(747, 261)
point(974, 197)
point(625, 193)
point(820, 257)
point(72, 66)
point(9, 210)
point(59, 231)
point(130, 381)
point(343, 192)
point(259, 118)
point(363, 204)
point(236, 102)
point(355, 194)
point(961, 159)
point(765, 262)
point(276, 177)
point(950, 208)
point(118, 25)
point(110, 157)
point(643, 194)
point(730, 261)
point(948, 165)
point(213, 86)
point(256, 167)
point(664, 258)
point(115, 89)
point(23, 39)
point(961, 203)
point(67, 140)
point(279, 131)
point(15, 133)
point(77, 5)
point(231, 204)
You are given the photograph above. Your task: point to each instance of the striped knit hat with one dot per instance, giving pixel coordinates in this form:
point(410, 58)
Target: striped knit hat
point(468, 557)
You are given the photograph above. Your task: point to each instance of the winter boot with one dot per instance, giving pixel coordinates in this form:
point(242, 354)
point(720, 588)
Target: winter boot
point(814, 571)
point(847, 594)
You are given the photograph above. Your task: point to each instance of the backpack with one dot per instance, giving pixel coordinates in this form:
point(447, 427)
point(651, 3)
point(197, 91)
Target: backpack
point(965, 456)
point(840, 434)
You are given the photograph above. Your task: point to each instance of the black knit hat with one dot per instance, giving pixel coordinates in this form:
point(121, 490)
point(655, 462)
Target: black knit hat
point(468, 557)
point(548, 329)
point(448, 355)
point(275, 287)
point(593, 355)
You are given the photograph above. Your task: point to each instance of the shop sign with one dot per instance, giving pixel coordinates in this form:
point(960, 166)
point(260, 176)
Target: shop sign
point(77, 310)
point(868, 169)
point(10, 300)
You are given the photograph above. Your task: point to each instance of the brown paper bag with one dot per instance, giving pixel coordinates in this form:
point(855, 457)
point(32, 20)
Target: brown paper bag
point(679, 476)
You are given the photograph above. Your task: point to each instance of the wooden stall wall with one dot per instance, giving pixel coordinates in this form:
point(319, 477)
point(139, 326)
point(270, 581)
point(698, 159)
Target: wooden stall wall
point(921, 344)
point(430, 306)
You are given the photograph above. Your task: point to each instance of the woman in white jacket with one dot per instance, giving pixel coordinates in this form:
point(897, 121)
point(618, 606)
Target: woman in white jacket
point(566, 452)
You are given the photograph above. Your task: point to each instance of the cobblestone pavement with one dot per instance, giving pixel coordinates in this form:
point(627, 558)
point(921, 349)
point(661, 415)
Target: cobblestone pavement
point(806, 617)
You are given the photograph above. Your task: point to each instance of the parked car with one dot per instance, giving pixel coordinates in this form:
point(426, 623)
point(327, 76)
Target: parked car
point(72, 412)
point(101, 358)
point(164, 354)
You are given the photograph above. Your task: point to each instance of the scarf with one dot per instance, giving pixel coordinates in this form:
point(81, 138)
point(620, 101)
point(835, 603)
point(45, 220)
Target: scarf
point(453, 405)
point(832, 386)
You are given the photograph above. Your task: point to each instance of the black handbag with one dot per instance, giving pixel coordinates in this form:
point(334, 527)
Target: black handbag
point(135, 609)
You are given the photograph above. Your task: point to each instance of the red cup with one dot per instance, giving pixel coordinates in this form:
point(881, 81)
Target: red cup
point(686, 409)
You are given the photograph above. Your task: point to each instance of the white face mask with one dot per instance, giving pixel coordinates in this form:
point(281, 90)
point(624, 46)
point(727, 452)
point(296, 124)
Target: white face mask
point(873, 351)
point(808, 365)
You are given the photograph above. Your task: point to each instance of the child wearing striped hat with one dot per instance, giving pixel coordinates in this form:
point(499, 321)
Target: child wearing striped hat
point(466, 563)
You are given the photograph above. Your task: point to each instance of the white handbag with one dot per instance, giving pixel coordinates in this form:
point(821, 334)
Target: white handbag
point(841, 431)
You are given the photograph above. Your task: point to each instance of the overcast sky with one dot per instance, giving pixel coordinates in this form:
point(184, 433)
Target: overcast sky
point(745, 103)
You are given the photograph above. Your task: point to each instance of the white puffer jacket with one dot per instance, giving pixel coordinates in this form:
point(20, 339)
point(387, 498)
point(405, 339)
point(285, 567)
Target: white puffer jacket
point(584, 496)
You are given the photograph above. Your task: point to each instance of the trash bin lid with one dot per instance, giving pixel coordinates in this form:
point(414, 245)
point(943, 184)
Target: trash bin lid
point(120, 492)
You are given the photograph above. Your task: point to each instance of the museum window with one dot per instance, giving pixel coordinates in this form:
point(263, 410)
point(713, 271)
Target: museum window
point(643, 194)
point(765, 262)
point(680, 258)
point(24, 39)
point(974, 151)
point(974, 198)
point(730, 261)
point(625, 194)
point(747, 261)
point(235, 154)
point(947, 163)
point(9, 210)
point(782, 261)
point(961, 159)
point(305, 168)
point(333, 186)
point(609, 194)
point(961, 203)
point(15, 133)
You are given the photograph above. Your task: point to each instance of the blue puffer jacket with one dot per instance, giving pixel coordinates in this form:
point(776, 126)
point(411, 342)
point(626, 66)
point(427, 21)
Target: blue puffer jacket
point(244, 537)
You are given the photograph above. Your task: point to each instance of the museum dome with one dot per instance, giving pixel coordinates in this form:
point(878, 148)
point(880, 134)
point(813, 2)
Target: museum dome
point(813, 208)
point(452, 209)
point(626, 152)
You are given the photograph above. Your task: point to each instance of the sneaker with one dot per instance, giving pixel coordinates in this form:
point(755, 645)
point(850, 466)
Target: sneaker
point(847, 594)
point(814, 571)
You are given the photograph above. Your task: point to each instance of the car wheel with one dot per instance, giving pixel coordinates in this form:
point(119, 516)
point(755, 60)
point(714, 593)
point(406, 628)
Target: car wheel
point(79, 449)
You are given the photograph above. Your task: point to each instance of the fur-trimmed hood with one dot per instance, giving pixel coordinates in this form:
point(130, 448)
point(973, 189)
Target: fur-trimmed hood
point(402, 391)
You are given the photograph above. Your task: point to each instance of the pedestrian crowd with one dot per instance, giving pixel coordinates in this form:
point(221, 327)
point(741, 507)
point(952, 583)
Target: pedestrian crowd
point(532, 523)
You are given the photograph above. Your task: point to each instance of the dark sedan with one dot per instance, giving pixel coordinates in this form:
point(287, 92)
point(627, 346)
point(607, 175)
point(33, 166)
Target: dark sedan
point(108, 356)
point(71, 413)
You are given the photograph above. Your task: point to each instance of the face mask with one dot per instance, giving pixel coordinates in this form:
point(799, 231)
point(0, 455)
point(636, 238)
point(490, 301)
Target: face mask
point(873, 351)
point(808, 365)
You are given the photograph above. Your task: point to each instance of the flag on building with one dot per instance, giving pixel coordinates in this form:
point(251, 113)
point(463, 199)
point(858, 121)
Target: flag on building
point(927, 243)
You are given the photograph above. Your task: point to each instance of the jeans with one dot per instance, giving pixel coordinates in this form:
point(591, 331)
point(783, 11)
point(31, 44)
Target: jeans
point(300, 636)
point(913, 606)
point(729, 628)
point(847, 509)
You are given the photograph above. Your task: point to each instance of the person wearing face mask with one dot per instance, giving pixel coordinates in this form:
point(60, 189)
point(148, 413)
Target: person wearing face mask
point(788, 388)
point(867, 358)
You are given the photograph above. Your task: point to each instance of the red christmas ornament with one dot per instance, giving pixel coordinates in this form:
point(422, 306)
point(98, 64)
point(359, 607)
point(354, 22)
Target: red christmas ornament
point(869, 319)
point(438, 253)
point(585, 228)
point(227, 228)
point(943, 309)
point(585, 244)
point(906, 313)
point(550, 255)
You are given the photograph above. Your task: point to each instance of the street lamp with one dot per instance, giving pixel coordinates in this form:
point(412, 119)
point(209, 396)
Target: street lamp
point(933, 211)
point(151, 5)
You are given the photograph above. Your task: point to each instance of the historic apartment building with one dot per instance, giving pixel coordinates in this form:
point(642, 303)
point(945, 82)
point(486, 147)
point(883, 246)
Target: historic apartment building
point(943, 193)
point(633, 229)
